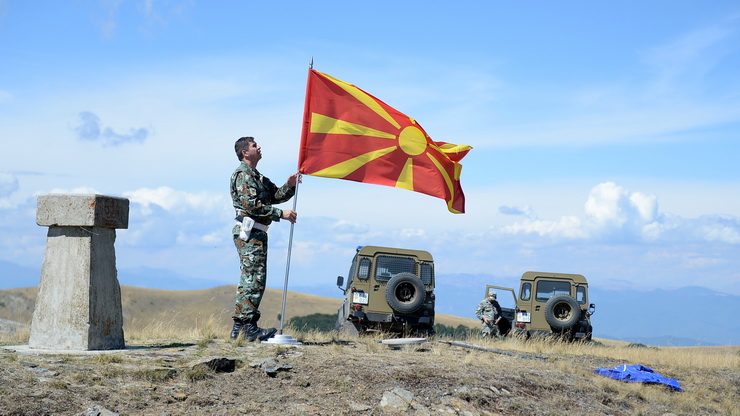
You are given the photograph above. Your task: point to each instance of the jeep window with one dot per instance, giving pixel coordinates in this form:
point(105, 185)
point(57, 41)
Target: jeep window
point(526, 292)
point(427, 273)
point(363, 272)
point(549, 288)
point(389, 266)
point(581, 294)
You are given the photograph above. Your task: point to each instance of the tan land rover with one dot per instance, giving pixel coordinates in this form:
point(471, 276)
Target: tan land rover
point(389, 290)
point(550, 303)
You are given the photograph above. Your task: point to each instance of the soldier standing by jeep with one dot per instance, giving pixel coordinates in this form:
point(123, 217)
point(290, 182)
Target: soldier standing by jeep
point(253, 196)
point(489, 312)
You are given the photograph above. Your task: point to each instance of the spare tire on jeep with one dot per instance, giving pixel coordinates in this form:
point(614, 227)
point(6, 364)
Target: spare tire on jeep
point(562, 312)
point(405, 293)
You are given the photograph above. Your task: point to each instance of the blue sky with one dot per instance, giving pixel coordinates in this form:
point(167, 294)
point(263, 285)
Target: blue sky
point(605, 136)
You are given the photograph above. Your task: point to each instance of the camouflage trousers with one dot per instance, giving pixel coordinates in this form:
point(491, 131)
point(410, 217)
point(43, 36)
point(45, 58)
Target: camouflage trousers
point(489, 331)
point(253, 264)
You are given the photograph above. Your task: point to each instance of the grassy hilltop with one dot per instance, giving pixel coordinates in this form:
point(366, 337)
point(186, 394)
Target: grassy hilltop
point(173, 333)
point(156, 313)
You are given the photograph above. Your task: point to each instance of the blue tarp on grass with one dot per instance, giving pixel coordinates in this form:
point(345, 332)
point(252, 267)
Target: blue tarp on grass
point(638, 374)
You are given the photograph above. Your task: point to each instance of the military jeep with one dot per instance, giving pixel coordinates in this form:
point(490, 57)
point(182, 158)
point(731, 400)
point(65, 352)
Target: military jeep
point(388, 290)
point(550, 303)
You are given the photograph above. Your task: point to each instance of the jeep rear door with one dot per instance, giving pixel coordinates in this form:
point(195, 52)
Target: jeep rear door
point(508, 309)
point(387, 266)
point(545, 288)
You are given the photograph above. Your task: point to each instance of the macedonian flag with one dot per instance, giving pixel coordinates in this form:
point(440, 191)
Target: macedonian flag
point(349, 134)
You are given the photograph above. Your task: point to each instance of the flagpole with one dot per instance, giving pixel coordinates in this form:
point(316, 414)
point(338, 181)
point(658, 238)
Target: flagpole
point(287, 263)
point(280, 338)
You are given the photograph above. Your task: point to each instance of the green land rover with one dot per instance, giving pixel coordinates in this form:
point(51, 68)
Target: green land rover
point(388, 290)
point(550, 303)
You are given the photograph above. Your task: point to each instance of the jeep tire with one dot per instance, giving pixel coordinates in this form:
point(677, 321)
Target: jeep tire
point(562, 312)
point(405, 293)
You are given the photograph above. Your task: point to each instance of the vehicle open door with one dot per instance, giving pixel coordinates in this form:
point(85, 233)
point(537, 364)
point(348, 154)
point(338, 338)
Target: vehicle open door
point(507, 301)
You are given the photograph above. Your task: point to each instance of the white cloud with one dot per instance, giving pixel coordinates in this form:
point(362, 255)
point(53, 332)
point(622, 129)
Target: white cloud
point(612, 213)
point(724, 230)
point(90, 129)
point(516, 211)
point(610, 207)
point(193, 223)
point(411, 233)
point(218, 237)
point(169, 199)
point(80, 190)
point(8, 184)
point(646, 205)
point(569, 227)
point(309, 253)
point(603, 204)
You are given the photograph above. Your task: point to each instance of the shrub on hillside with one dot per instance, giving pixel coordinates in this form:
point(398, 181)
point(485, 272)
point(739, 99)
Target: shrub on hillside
point(461, 331)
point(315, 322)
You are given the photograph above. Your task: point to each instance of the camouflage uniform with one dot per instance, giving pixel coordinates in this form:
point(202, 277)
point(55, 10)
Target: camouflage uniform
point(491, 310)
point(253, 195)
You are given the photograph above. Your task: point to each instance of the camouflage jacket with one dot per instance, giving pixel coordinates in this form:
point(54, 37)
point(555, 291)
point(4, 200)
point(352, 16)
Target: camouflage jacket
point(253, 195)
point(491, 310)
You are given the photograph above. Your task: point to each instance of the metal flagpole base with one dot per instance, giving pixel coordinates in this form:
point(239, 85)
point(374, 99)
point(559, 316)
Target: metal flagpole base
point(281, 339)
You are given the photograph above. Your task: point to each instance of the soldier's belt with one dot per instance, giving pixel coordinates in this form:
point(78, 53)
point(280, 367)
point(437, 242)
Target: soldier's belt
point(247, 224)
point(261, 227)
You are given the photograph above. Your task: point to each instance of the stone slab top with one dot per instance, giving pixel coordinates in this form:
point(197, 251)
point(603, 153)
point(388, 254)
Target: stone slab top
point(84, 210)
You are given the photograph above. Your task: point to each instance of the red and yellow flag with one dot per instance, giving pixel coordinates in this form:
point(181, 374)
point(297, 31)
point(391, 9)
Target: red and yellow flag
point(349, 134)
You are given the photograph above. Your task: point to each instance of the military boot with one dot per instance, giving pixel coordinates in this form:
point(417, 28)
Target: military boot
point(238, 327)
point(252, 332)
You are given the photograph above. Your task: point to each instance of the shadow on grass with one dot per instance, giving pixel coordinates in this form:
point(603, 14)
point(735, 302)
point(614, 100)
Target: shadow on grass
point(332, 342)
point(161, 346)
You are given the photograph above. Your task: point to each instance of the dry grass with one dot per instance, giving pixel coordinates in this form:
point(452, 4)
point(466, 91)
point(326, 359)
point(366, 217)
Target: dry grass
point(198, 373)
point(15, 338)
point(151, 314)
point(710, 376)
point(199, 329)
point(330, 372)
point(673, 357)
point(108, 359)
point(154, 374)
point(543, 376)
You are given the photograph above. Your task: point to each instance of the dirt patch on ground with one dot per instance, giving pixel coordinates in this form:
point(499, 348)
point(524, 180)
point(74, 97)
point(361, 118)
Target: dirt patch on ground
point(331, 377)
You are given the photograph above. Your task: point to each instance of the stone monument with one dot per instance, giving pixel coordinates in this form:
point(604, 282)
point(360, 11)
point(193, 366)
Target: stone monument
point(78, 306)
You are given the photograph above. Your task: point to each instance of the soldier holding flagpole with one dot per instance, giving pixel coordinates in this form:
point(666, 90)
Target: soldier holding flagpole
point(253, 196)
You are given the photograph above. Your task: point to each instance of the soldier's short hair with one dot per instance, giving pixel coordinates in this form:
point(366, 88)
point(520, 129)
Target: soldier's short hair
point(242, 144)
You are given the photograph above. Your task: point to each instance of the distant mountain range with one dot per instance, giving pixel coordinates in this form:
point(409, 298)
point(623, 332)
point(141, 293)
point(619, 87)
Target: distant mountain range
point(688, 316)
point(13, 275)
